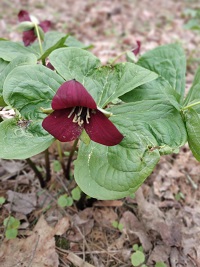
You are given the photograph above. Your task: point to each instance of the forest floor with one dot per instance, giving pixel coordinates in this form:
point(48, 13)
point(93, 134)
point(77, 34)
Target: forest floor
point(164, 215)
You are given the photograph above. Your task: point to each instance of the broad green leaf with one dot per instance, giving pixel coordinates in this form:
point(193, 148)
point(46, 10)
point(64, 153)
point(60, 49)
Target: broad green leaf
point(115, 172)
point(73, 42)
point(10, 50)
point(194, 92)
point(158, 89)
point(52, 40)
point(105, 83)
point(28, 59)
point(193, 130)
point(169, 62)
point(3, 64)
point(21, 142)
point(28, 88)
point(2, 102)
point(74, 63)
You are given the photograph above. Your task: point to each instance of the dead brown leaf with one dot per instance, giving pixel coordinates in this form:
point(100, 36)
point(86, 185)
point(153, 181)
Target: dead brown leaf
point(37, 250)
point(82, 224)
point(22, 203)
point(134, 228)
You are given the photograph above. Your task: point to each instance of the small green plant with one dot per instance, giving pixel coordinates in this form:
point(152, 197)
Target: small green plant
point(65, 201)
point(179, 196)
point(76, 193)
point(2, 200)
point(117, 225)
point(11, 225)
point(57, 166)
point(138, 257)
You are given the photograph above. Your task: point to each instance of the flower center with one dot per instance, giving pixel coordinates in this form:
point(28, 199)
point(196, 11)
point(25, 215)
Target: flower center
point(81, 115)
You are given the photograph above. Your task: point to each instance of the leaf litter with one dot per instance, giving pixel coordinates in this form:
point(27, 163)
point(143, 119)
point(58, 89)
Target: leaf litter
point(164, 216)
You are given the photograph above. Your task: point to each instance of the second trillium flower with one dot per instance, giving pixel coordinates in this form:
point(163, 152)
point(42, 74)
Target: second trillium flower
point(75, 110)
point(29, 36)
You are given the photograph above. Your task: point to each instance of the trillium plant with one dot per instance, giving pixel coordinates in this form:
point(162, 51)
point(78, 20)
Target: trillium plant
point(120, 118)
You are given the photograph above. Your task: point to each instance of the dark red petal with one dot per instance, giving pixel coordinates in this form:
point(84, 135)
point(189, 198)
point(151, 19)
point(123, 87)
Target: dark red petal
point(136, 50)
point(101, 130)
point(50, 66)
point(29, 37)
point(72, 94)
point(23, 15)
point(61, 127)
point(45, 25)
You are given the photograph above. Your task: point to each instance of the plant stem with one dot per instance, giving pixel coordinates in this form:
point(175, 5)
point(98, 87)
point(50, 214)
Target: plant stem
point(37, 173)
point(191, 105)
point(67, 175)
point(47, 165)
point(39, 38)
point(117, 57)
point(60, 155)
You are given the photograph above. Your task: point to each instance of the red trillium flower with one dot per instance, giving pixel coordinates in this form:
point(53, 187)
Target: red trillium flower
point(75, 110)
point(29, 36)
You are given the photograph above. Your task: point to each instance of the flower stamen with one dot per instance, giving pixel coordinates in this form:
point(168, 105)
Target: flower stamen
point(72, 111)
point(81, 115)
point(87, 115)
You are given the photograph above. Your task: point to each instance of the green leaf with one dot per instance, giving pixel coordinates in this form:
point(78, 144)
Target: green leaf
point(158, 89)
point(193, 130)
point(56, 166)
point(137, 258)
point(11, 233)
point(115, 172)
point(104, 83)
point(20, 142)
point(73, 42)
point(115, 224)
point(3, 64)
point(135, 247)
point(120, 226)
point(10, 50)
point(29, 59)
point(2, 200)
point(65, 201)
point(52, 40)
point(2, 102)
point(28, 88)
point(76, 193)
point(169, 62)
point(192, 24)
point(11, 223)
point(194, 92)
point(160, 264)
